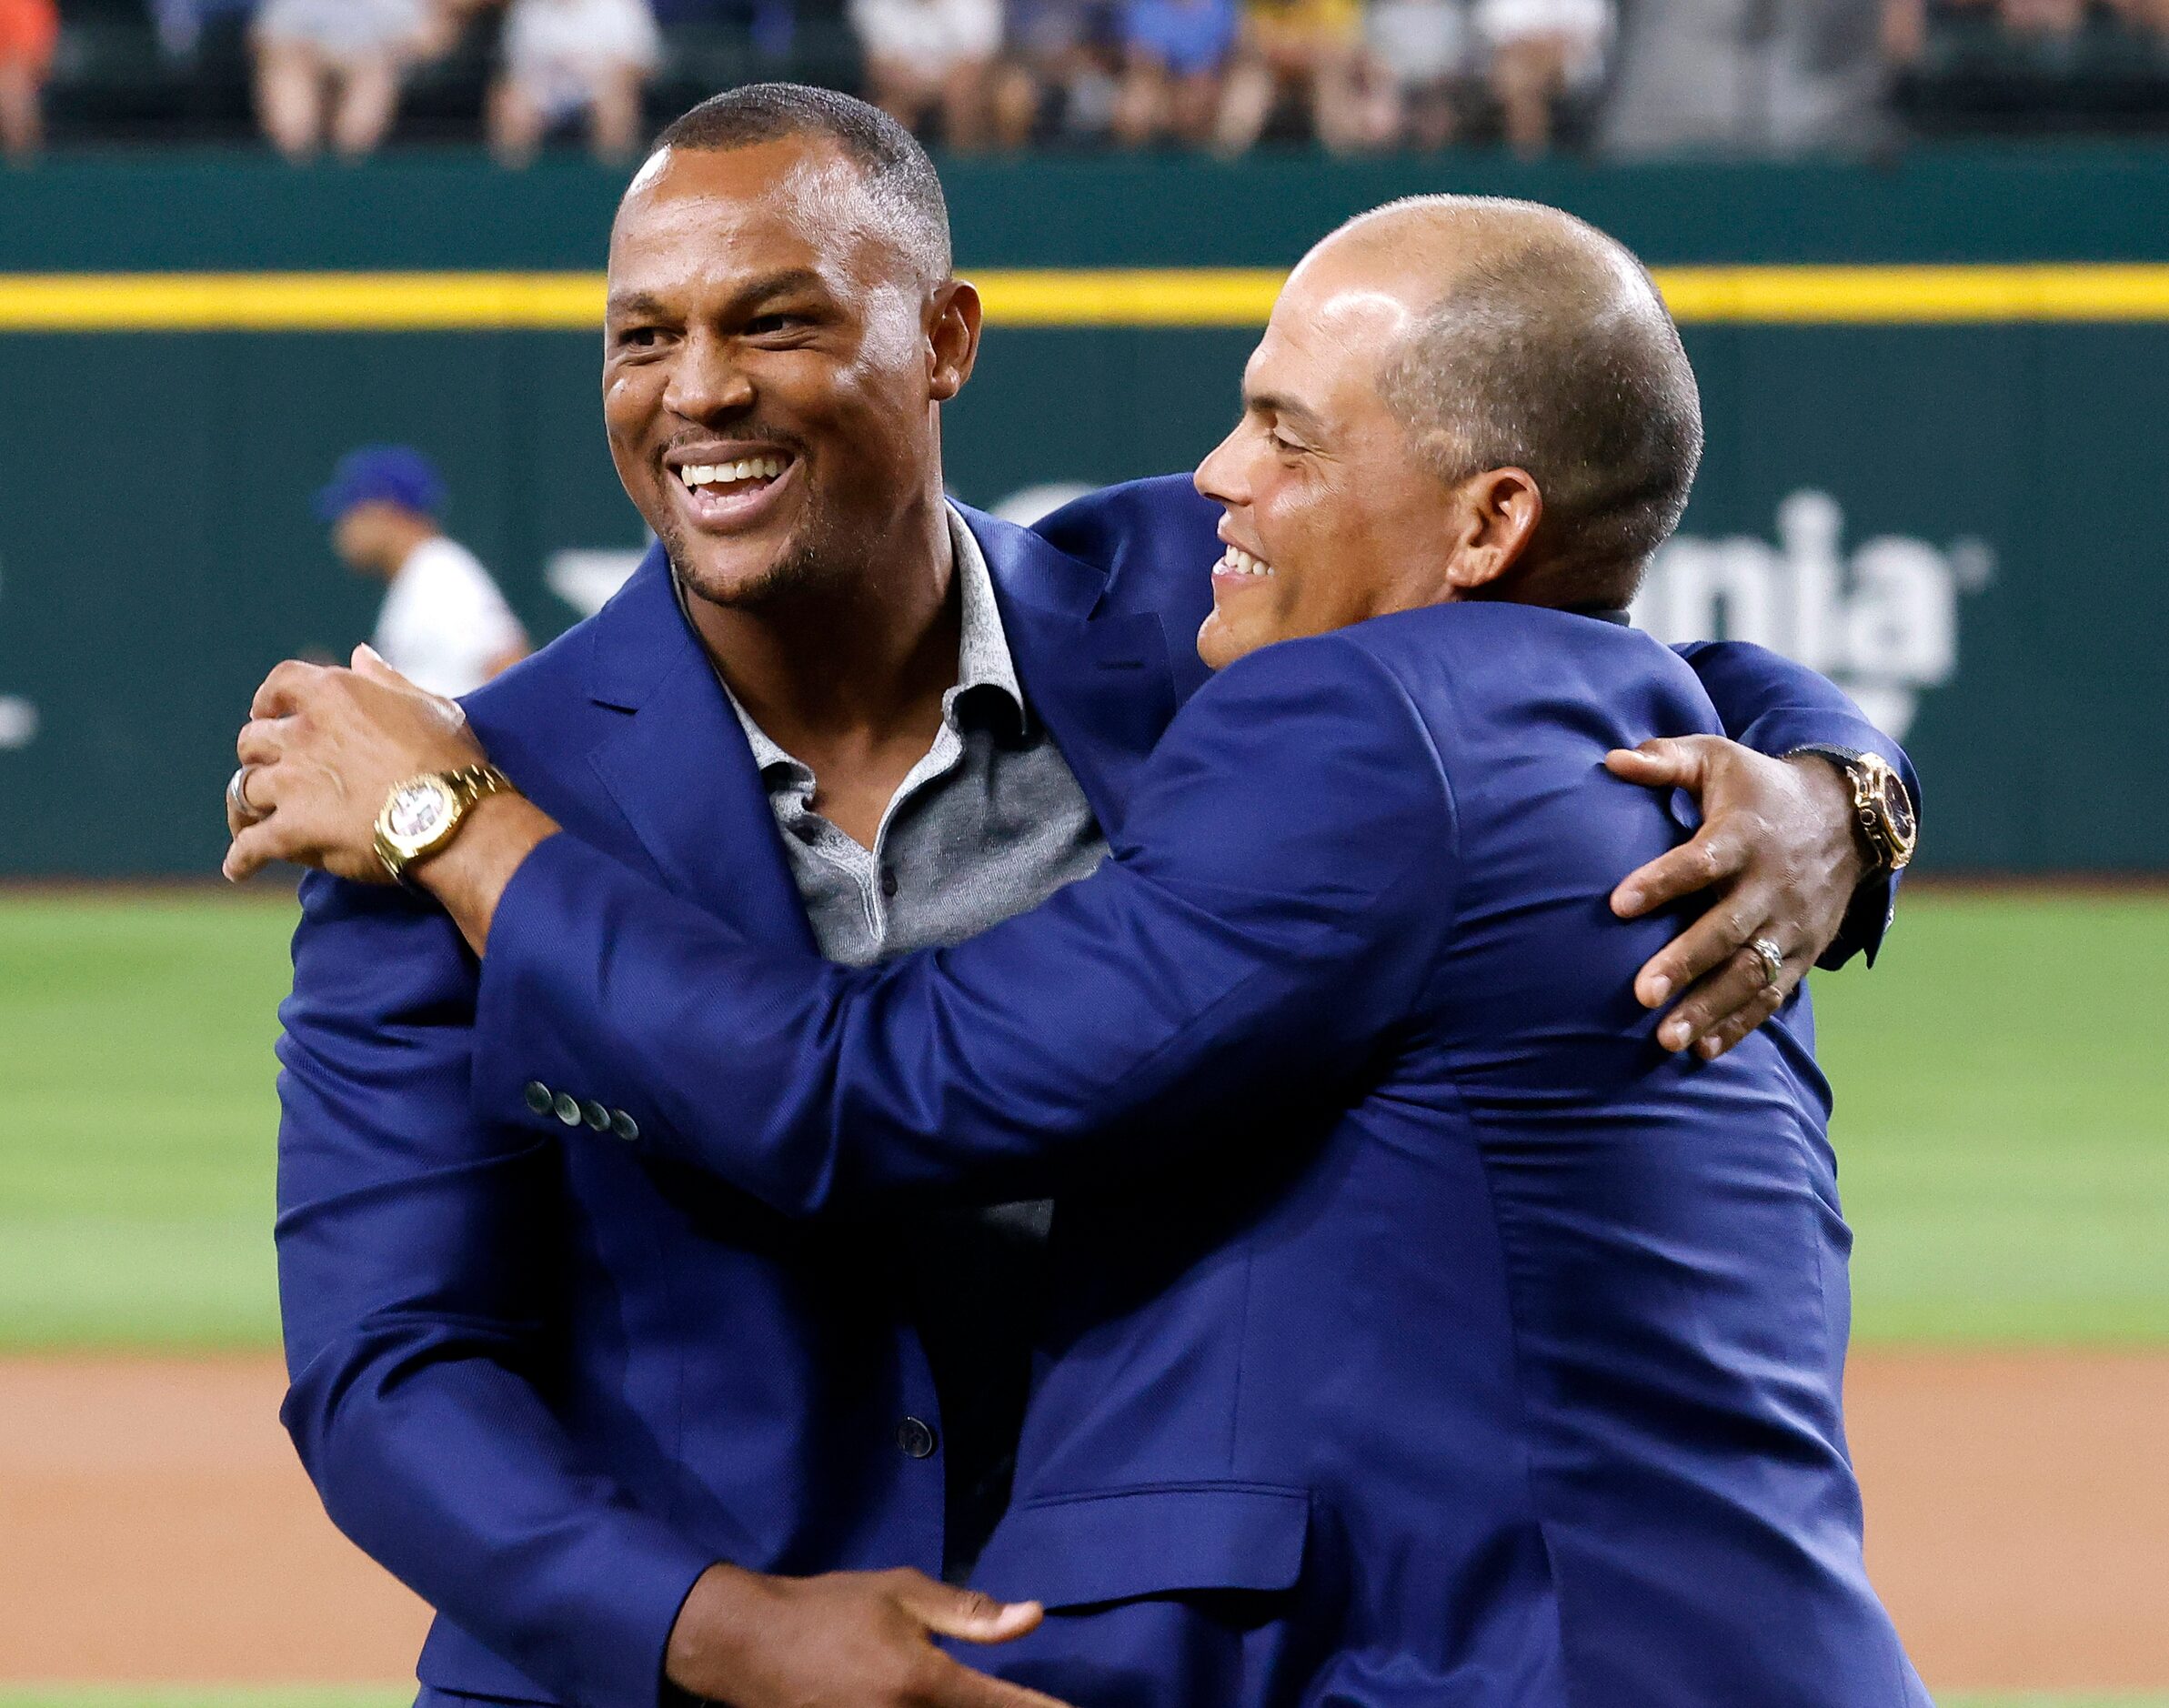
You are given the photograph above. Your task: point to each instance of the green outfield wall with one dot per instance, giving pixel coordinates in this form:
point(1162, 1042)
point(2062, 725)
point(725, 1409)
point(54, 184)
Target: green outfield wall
point(1937, 389)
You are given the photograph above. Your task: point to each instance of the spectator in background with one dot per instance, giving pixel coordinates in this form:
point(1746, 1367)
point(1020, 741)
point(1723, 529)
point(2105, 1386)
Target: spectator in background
point(208, 41)
point(768, 25)
point(443, 624)
point(1744, 75)
point(1904, 34)
point(2050, 19)
point(29, 29)
point(181, 23)
point(1541, 50)
point(1420, 54)
point(1176, 54)
point(330, 70)
point(1057, 65)
point(1309, 50)
point(924, 56)
point(568, 58)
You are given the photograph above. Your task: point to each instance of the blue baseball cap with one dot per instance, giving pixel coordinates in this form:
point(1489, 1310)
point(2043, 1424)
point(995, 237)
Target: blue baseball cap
point(390, 474)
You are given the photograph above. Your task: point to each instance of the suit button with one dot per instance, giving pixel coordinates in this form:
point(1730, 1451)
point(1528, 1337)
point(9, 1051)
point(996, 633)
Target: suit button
point(624, 1125)
point(538, 1097)
point(567, 1108)
point(596, 1117)
point(916, 1437)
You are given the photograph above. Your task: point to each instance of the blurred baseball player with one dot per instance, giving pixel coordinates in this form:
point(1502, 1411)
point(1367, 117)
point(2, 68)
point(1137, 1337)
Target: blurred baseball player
point(444, 625)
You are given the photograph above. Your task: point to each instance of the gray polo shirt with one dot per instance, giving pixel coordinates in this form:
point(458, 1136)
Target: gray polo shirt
point(989, 824)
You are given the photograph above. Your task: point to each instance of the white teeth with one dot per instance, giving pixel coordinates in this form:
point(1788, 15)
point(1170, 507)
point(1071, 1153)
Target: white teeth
point(1237, 561)
point(699, 475)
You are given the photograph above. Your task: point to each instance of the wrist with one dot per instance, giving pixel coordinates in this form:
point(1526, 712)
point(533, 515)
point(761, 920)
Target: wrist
point(1886, 825)
point(706, 1654)
point(1831, 792)
point(468, 876)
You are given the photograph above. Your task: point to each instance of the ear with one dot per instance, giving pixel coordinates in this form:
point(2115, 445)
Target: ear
point(1502, 507)
point(953, 339)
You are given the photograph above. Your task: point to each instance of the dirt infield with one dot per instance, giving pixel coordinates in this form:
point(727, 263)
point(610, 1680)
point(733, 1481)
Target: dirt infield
point(155, 1526)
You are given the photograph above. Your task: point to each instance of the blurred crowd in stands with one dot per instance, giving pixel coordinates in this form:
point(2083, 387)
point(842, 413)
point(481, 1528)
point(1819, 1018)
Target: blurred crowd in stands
point(1621, 76)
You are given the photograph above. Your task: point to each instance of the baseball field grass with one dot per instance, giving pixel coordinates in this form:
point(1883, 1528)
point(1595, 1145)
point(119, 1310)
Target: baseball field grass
point(2003, 1120)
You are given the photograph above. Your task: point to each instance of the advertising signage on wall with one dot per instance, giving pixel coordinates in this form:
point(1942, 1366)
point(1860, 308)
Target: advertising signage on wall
point(1881, 619)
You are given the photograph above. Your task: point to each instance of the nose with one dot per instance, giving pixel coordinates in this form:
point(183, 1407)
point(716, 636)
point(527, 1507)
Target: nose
point(706, 382)
point(1220, 476)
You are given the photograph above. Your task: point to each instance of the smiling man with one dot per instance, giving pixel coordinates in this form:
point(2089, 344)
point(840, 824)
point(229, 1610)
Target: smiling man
point(603, 1412)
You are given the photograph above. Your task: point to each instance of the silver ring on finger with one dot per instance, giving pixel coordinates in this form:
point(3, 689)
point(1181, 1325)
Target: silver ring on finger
point(1772, 959)
point(236, 797)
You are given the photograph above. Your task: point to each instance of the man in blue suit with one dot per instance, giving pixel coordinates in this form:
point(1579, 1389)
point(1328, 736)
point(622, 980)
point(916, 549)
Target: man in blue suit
point(554, 1384)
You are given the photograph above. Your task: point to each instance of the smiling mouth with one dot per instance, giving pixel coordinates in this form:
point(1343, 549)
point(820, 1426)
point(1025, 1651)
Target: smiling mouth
point(1239, 564)
point(728, 496)
point(748, 474)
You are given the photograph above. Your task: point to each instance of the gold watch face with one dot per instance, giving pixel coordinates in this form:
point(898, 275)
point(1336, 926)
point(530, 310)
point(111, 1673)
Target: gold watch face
point(417, 814)
point(1897, 807)
point(1889, 809)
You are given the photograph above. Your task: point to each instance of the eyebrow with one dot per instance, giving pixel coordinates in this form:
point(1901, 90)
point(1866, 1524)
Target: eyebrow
point(789, 279)
point(1275, 403)
point(634, 303)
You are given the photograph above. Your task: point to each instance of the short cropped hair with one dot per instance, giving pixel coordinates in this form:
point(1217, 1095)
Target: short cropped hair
point(1543, 354)
point(898, 173)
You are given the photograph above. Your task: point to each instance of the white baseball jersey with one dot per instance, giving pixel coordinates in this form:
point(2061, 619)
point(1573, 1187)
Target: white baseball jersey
point(444, 622)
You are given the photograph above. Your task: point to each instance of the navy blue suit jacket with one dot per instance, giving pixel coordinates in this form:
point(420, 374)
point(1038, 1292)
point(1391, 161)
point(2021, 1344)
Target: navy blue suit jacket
point(547, 1382)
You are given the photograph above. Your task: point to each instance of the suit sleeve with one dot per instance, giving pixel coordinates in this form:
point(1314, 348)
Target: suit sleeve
point(416, 1303)
point(1281, 887)
point(1777, 707)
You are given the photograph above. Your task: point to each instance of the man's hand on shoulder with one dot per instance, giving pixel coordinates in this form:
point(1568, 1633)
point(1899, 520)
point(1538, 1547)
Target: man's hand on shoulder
point(844, 1640)
point(322, 750)
point(320, 755)
point(1777, 854)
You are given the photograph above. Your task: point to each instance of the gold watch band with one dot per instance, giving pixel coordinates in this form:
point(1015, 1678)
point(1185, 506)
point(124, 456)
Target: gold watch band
point(472, 783)
point(465, 787)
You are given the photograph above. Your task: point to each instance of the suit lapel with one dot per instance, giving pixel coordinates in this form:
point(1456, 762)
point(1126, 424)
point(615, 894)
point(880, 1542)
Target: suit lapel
point(679, 770)
point(1102, 680)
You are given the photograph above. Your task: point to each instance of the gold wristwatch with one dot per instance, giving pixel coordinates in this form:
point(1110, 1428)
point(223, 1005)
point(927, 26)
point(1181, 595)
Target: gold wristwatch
point(423, 814)
point(1880, 806)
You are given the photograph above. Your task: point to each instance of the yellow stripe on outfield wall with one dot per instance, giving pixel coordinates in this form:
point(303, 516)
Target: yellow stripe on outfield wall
point(1131, 296)
point(1912, 296)
point(1189, 297)
point(299, 302)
